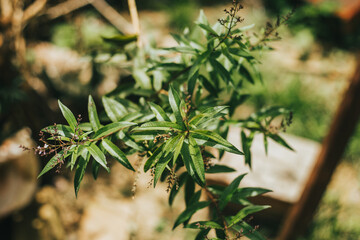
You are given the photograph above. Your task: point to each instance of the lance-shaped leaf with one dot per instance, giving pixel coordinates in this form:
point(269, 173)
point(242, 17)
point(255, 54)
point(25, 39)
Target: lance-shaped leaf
point(178, 148)
point(55, 160)
point(166, 126)
point(187, 214)
point(59, 129)
point(98, 155)
point(76, 153)
point(159, 113)
point(197, 159)
point(246, 145)
point(244, 193)
point(202, 234)
point(151, 161)
point(221, 143)
point(189, 164)
point(116, 153)
point(208, 29)
point(93, 116)
point(175, 189)
point(280, 141)
point(95, 169)
point(130, 141)
point(114, 110)
point(161, 165)
point(204, 225)
point(248, 231)
point(229, 192)
point(174, 101)
point(68, 115)
point(245, 212)
point(220, 169)
point(80, 170)
point(111, 129)
point(219, 68)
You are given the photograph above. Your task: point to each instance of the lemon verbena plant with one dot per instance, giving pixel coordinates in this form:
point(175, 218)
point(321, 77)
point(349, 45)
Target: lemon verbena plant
point(177, 105)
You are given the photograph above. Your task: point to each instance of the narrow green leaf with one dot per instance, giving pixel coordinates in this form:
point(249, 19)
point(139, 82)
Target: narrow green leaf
point(59, 129)
point(246, 145)
point(280, 141)
point(245, 212)
point(193, 76)
point(156, 154)
point(197, 159)
point(167, 126)
point(129, 141)
point(229, 191)
point(248, 231)
point(188, 162)
point(175, 189)
point(68, 115)
point(98, 155)
point(219, 68)
point(240, 52)
point(159, 113)
point(244, 193)
point(55, 160)
point(209, 135)
point(208, 29)
point(189, 190)
point(204, 225)
point(93, 116)
point(161, 165)
point(202, 234)
point(220, 169)
point(95, 169)
point(111, 129)
point(174, 101)
point(265, 144)
point(115, 152)
point(80, 170)
point(178, 148)
point(187, 214)
point(114, 110)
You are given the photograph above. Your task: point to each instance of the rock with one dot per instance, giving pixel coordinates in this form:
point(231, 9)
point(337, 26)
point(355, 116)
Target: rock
point(18, 172)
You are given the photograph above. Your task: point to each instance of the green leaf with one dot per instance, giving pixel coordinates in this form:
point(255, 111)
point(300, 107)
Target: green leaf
point(248, 231)
point(240, 52)
point(178, 148)
point(167, 126)
point(156, 154)
point(161, 165)
point(187, 214)
point(244, 72)
point(95, 169)
point(174, 101)
point(175, 189)
point(280, 140)
point(68, 115)
point(77, 151)
point(202, 234)
point(120, 40)
point(204, 225)
point(187, 159)
point(243, 193)
point(80, 170)
point(129, 141)
point(111, 129)
point(209, 135)
point(197, 159)
point(115, 152)
point(114, 110)
point(245, 212)
point(141, 78)
point(55, 160)
point(229, 191)
point(219, 68)
point(159, 113)
point(193, 76)
point(189, 190)
point(246, 145)
point(220, 169)
point(208, 29)
point(98, 155)
point(59, 129)
point(265, 144)
point(93, 116)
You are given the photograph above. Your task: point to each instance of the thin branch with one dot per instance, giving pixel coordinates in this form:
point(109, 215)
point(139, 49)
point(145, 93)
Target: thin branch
point(64, 8)
point(135, 20)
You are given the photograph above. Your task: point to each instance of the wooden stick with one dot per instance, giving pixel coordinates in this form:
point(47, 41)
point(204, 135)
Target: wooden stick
point(333, 147)
point(112, 16)
point(135, 19)
point(65, 8)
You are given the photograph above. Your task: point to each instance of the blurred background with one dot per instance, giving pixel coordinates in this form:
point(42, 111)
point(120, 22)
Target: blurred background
point(53, 50)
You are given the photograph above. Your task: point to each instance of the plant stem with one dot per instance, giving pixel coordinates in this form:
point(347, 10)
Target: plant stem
point(218, 212)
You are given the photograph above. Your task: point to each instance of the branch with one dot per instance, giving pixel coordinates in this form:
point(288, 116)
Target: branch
point(135, 19)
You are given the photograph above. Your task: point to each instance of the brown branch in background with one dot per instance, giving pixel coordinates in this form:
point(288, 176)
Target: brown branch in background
point(135, 19)
point(112, 16)
point(33, 10)
point(6, 11)
point(65, 8)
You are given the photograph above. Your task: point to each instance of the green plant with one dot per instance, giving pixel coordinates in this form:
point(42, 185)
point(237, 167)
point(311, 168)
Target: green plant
point(170, 111)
